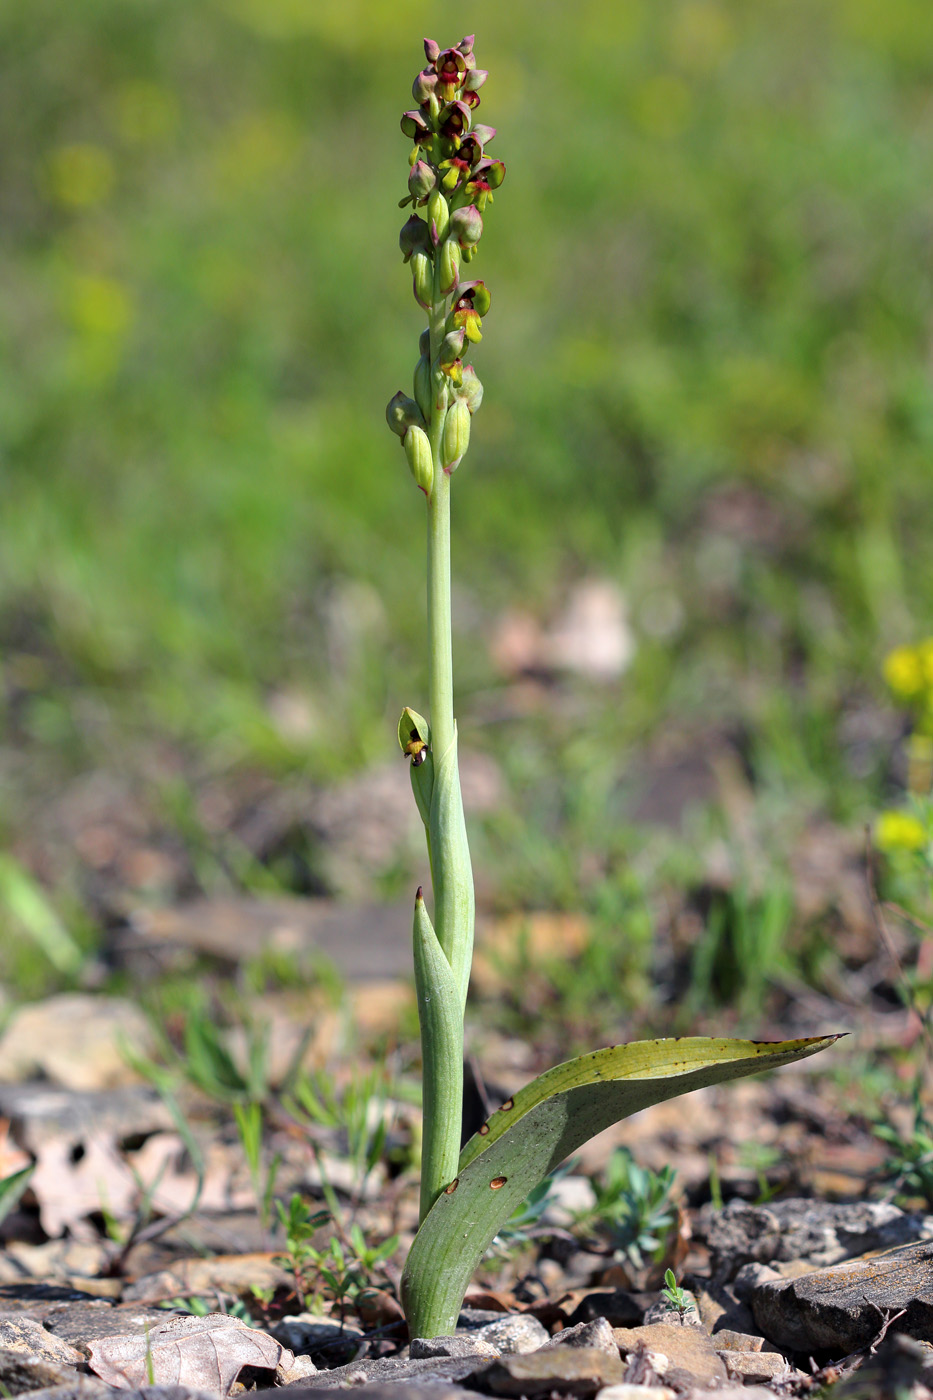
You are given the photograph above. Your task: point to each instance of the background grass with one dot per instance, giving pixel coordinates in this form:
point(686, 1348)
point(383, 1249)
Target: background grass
point(708, 381)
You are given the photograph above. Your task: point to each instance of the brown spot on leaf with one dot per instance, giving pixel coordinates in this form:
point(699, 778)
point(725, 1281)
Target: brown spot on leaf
point(449, 1190)
point(509, 1103)
point(497, 1182)
point(484, 1130)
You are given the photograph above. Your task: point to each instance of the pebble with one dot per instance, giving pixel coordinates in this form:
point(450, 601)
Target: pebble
point(597, 1333)
point(458, 1344)
point(579, 1371)
point(514, 1333)
point(624, 1391)
point(690, 1352)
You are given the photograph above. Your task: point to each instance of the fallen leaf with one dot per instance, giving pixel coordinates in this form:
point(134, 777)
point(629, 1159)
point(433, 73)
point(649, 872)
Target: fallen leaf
point(74, 1180)
point(193, 1351)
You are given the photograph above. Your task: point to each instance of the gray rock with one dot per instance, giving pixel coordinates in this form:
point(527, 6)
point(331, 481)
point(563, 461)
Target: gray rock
point(27, 1337)
point(627, 1391)
point(20, 1373)
point(842, 1309)
point(661, 1311)
point(306, 1334)
point(478, 1317)
point(393, 1370)
point(458, 1344)
point(750, 1367)
point(727, 1340)
point(568, 1370)
point(88, 1388)
point(597, 1333)
point(821, 1232)
point(690, 1353)
point(514, 1333)
point(380, 1390)
point(300, 1368)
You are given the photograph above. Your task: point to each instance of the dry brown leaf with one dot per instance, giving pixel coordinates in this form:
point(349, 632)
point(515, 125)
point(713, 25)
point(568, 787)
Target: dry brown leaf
point(208, 1352)
point(75, 1180)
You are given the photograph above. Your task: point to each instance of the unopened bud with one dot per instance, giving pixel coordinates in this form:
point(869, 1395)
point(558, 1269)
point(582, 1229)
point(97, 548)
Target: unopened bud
point(449, 265)
point(414, 125)
point(423, 86)
point(424, 342)
point(438, 213)
point(456, 436)
point(414, 236)
point(418, 451)
point(422, 279)
point(466, 225)
point(402, 412)
point(471, 390)
point(421, 180)
point(424, 387)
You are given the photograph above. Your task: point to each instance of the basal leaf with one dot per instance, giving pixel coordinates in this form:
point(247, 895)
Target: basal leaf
point(545, 1122)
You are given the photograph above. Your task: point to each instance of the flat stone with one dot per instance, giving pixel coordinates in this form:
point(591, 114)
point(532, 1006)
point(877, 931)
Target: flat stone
point(727, 1340)
point(689, 1350)
point(820, 1232)
point(568, 1370)
point(514, 1333)
point(619, 1307)
point(76, 1040)
point(40, 1112)
point(20, 1372)
point(751, 1366)
point(597, 1333)
point(89, 1388)
point(24, 1335)
point(458, 1344)
point(391, 1371)
point(625, 1391)
point(385, 1390)
point(662, 1311)
point(300, 1369)
point(843, 1308)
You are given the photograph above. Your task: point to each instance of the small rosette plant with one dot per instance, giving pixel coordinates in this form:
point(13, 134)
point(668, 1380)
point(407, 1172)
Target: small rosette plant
point(468, 1196)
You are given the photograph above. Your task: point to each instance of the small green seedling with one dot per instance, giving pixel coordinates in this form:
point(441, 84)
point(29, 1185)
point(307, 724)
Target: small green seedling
point(468, 1197)
point(633, 1209)
point(676, 1298)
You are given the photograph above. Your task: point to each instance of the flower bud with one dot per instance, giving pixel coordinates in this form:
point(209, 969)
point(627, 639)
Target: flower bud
point(466, 225)
point(424, 386)
point(424, 342)
point(438, 214)
point(455, 119)
point(422, 279)
point(414, 125)
point(431, 50)
point(475, 78)
point(418, 451)
point(456, 435)
point(421, 180)
point(402, 412)
point(414, 237)
point(423, 86)
point(483, 134)
point(471, 390)
point(449, 265)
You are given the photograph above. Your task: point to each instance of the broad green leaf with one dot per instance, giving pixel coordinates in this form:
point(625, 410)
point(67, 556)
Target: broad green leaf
point(441, 1017)
point(545, 1122)
point(451, 871)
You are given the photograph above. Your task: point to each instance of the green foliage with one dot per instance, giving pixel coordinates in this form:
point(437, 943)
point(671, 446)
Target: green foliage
point(909, 1169)
point(675, 1297)
point(12, 1188)
point(634, 1209)
point(344, 1267)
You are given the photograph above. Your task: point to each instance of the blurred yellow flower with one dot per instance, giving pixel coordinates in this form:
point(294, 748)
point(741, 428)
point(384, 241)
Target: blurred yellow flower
point(144, 113)
point(79, 175)
point(899, 831)
point(100, 306)
point(906, 672)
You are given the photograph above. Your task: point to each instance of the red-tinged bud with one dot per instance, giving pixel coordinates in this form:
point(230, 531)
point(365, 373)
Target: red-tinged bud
point(466, 225)
point(438, 216)
point(431, 50)
point(484, 134)
point(414, 125)
point(423, 86)
point(475, 78)
point(449, 265)
point(422, 279)
point(414, 237)
point(403, 413)
point(420, 460)
point(471, 390)
point(466, 44)
point(456, 436)
point(421, 180)
point(470, 98)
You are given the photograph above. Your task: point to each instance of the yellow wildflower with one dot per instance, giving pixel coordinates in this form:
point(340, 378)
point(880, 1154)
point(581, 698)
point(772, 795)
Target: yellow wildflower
point(899, 831)
point(905, 671)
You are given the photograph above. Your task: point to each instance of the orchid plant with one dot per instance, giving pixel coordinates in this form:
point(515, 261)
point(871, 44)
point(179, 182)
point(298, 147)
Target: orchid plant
point(467, 1196)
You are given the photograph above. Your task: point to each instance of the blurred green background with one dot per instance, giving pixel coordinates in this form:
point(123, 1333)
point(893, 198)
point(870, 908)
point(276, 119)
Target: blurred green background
point(707, 371)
